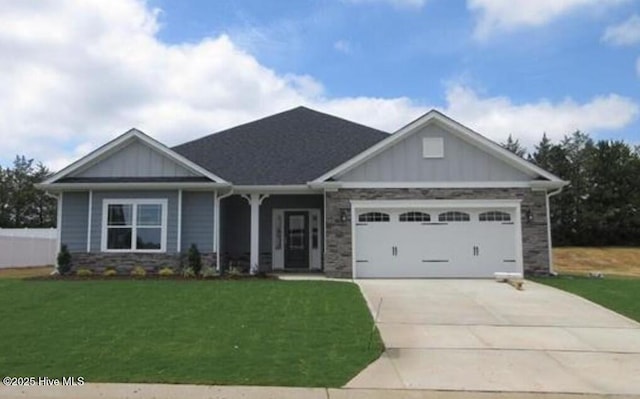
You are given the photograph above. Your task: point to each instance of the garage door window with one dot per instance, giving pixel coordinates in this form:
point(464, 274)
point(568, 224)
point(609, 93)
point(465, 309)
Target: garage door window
point(453, 216)
point(415, 217)
point(495, 216)
point(373, 217)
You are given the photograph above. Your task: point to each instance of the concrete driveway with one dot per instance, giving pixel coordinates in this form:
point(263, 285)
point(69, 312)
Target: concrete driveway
point(480, 335)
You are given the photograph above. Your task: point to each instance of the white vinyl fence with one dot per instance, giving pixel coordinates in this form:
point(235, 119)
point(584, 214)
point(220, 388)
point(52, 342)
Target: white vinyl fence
point(28, 247)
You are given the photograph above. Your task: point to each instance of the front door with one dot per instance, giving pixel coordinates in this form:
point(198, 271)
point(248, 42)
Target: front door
point(296, 240)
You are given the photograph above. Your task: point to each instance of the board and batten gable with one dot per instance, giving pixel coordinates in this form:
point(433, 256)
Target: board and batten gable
point(73, 231)
point(461, 161)
point(135, 159)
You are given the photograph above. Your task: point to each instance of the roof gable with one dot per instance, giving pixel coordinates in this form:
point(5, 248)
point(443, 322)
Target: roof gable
point(133, 155)
point(460, 161)
point(451, 127)
point(292, 147)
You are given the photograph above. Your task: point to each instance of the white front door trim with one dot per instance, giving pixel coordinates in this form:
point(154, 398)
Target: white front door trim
point(277, 229)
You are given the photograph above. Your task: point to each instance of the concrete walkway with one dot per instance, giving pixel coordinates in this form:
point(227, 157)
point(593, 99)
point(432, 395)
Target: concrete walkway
point(480, 335)
point(163, 391)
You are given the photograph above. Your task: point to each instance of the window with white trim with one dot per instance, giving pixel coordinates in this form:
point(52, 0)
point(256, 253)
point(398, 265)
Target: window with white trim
point(373, 217)
point(134, 225)
point(453, 216)
point(494, 216)
point(415, 217)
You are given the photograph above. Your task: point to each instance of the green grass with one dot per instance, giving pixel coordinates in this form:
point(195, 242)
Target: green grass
point(619, 294)
point(290, 333)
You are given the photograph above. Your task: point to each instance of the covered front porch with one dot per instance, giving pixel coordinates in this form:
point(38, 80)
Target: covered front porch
point(264, 232)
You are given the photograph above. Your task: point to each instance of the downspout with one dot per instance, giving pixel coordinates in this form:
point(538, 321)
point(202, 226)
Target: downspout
point(547, 196)
point(58, 198)
point(217, 227)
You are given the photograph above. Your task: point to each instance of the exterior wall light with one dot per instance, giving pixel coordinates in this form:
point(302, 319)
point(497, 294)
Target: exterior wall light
point(345, 215)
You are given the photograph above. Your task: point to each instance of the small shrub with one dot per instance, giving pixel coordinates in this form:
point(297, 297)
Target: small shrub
point(64, 260)
point(138, 271)
point(84, 272)
point(166, 271)
point(194, 260)
point(208, 272)
point(235, 271)
point(188, 272)
point(109, 272)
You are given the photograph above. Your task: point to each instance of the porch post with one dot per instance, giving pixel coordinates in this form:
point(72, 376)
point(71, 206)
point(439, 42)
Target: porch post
point(255, 199)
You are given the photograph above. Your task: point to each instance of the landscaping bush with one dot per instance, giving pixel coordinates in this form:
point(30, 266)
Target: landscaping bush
point(64, 260)
point(188, 272)
point(138, 271)
point(194, 260)
point(166, 271)
point(84, 272)
point(110, 272)
point(208, 272)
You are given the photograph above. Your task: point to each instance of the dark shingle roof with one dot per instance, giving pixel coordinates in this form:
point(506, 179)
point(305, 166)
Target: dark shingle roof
point(292, 147)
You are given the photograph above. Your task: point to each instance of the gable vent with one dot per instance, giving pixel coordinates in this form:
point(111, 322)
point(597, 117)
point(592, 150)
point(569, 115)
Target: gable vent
point(432, 147)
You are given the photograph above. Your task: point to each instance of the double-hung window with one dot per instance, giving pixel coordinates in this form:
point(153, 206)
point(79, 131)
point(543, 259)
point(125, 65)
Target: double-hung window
point(134, 225)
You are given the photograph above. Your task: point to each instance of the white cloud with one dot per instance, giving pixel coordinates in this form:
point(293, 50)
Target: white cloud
point(497, 117)
point(624, 34)
point(506, 15)
point(395, 3)
point(342, 46)
point(76, 74)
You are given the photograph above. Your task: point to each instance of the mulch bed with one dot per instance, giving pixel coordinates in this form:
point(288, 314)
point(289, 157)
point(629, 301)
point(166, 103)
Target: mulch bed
point(152, 277)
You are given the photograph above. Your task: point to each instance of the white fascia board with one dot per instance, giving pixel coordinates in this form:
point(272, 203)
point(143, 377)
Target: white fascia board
point(325, 185)
point(534, 184)
point(368, 153)
point(454, 127)
point(368, 204)
point(95, 155)
point(444, 184)
point(87, 159)
point(57, 187)
point(177, 157)
point(492, 147)
point(538, 185)
point(277, 189)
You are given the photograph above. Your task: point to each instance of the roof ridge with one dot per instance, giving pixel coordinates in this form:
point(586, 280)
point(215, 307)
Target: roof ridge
point(279, 114)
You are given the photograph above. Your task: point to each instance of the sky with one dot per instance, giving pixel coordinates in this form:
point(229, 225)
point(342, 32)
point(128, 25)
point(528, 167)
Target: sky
point(75, 74)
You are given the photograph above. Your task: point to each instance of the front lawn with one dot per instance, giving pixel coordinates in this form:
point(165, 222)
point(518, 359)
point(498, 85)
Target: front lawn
point(293, 333)
point(621, 295)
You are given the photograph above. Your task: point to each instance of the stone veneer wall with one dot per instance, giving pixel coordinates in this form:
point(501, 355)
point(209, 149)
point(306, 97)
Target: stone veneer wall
point(124, 262)
point(338, 235)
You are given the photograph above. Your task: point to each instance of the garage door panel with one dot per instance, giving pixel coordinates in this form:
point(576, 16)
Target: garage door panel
point(466, 243)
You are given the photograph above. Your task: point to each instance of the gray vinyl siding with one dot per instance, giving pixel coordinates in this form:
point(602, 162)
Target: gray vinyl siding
point(197, 220)
point(235, 216)
point(75, 208)
point(136, 159)
point(172, 213)
point(462, 161)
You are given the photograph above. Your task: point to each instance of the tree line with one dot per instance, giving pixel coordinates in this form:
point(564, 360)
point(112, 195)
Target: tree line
point(601, 205)
point(21, 204)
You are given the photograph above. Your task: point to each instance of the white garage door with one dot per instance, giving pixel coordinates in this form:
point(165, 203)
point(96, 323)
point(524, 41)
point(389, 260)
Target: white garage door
point(436, 242)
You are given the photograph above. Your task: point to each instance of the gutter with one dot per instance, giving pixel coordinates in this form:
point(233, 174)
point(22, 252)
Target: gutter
point(130, 186)
point(547, 196)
